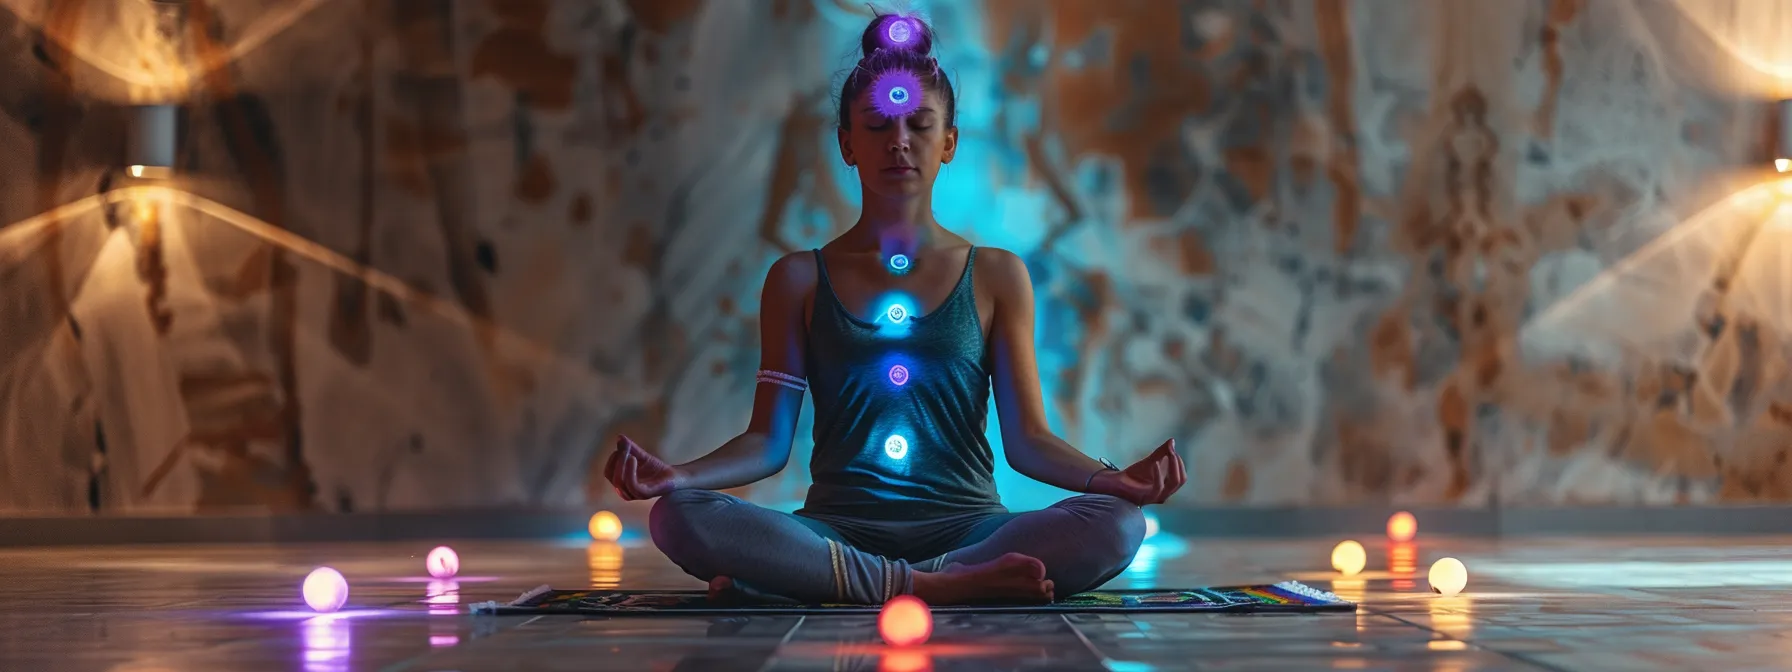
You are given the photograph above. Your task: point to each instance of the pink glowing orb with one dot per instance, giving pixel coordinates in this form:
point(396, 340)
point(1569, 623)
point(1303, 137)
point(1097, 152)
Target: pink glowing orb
point(325, 590)
point(905, 621)
point(899, 375)
point(442, 562)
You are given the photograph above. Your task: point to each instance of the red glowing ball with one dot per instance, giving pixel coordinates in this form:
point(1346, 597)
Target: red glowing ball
point(905, 621)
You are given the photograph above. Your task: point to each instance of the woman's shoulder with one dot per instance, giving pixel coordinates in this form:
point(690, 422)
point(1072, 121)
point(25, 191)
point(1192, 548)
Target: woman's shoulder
point(999, 264)
point(794, 272)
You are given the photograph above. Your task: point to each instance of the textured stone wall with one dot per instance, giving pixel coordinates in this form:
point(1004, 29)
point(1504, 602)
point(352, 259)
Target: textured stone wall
point(433, 253)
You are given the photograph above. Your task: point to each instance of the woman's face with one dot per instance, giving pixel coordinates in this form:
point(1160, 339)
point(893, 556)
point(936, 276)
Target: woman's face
point(898, 157)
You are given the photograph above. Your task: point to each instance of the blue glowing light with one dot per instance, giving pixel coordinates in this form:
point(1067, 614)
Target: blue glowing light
point(899, 375)
point(899, 263)
point(896, 447)
point(897, 313)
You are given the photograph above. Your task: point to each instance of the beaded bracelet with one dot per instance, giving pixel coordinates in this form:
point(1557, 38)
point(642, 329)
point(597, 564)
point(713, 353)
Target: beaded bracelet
point(782, 379)
point(1106, 466)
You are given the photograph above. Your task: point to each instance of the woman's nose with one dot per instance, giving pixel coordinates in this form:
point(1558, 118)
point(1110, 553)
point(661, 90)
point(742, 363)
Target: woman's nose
point(899, 139)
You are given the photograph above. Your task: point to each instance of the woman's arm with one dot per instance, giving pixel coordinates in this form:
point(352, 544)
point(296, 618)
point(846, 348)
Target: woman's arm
point(1032, 448)
point(764, 449)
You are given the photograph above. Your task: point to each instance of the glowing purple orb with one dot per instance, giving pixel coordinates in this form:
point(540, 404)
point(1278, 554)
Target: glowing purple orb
point(896, 94)
point(899, 32)
point(899, 375)
point(442, 562)
point(325, 590)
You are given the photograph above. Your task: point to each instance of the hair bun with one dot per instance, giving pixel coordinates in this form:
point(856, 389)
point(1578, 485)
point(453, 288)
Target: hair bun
point(897, 31)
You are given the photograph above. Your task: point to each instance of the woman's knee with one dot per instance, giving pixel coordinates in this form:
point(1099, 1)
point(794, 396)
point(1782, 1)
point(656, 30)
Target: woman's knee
point(1120, 524)
point(678, 522)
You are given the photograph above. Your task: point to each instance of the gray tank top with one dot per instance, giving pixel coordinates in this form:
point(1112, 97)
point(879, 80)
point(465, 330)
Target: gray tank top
point(901, 404)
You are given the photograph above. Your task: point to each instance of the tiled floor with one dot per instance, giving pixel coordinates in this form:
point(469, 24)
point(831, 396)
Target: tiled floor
point(1555, 604)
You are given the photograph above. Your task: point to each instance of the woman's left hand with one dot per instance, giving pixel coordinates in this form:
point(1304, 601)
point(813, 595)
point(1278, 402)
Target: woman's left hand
point(1148, 481)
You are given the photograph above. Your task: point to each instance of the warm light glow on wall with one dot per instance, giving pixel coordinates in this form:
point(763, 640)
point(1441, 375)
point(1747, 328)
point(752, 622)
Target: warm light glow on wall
point(1752, 32)
point(1647, 303)
point(155, 78)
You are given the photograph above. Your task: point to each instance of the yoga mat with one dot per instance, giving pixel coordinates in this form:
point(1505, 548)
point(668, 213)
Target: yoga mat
point(1285, 597)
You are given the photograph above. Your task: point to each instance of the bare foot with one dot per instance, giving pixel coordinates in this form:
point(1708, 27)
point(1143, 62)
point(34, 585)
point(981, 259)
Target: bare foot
point(1011, 578)
point(721, 589)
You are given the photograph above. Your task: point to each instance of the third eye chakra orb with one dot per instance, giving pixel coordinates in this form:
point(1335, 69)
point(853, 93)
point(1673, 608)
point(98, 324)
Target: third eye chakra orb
point(899, 375)
point(896, 93)
point(896, 446)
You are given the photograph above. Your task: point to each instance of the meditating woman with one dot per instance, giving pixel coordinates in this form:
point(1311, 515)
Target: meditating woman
point(897, 327)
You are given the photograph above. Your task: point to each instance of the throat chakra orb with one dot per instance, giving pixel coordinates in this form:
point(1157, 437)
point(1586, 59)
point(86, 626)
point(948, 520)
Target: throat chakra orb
point(896, 447)
point(899, 263)
point(899, 375)
point(897, 314)
point(896, 93)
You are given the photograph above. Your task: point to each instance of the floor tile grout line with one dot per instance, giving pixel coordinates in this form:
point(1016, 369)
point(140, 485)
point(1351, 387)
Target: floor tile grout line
point(1514, 656)
point(1100, 658)
point(773, 659)
point(411, 662)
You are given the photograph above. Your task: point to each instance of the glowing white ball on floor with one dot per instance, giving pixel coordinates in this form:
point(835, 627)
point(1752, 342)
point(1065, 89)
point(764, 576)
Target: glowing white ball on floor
point(605, 526)
point(1448, 576)
point(325, 590)
point(1348, 557)
point(442, 562)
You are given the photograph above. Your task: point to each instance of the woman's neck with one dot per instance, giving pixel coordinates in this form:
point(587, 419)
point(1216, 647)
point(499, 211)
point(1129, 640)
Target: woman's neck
point(902, 225)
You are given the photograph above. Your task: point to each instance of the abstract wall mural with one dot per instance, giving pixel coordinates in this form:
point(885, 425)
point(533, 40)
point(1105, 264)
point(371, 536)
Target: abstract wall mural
point(434, 254)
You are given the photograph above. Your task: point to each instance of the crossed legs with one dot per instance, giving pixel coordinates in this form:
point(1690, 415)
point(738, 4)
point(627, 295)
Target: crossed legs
point(1072, 546)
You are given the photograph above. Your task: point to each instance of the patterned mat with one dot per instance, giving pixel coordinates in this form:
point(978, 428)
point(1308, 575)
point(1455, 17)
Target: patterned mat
point(1288, 596)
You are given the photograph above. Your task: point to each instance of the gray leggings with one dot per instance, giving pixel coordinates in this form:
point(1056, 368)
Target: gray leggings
point(1083, 541)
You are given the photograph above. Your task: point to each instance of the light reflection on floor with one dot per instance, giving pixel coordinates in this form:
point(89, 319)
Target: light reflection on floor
point(1555, 604)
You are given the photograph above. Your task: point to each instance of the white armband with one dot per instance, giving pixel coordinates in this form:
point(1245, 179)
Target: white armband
point(783, 379)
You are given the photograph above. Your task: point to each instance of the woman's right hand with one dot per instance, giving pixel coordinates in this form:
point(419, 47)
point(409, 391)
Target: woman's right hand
point(637, 474)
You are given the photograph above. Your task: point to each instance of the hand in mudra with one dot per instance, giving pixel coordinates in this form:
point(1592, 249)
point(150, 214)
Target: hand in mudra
point(1148, 481)
point(637, 474)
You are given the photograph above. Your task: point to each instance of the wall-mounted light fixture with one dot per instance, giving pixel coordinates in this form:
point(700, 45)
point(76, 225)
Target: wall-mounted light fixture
point(154, 130)
point(1782, 134)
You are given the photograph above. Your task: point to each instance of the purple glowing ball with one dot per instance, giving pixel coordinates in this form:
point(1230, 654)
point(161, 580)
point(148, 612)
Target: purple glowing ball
point(900, 32)
point(896, 94)
point(325, 590)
